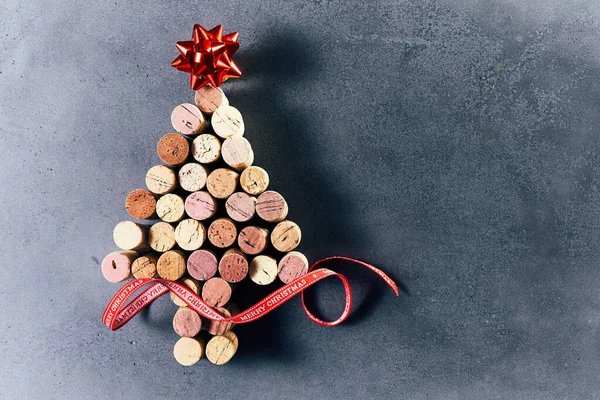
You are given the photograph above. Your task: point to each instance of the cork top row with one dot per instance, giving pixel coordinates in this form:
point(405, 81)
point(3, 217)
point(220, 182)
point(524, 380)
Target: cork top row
point(226, 121)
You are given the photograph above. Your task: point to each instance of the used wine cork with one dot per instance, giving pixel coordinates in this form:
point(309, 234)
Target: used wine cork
point(145, 267)
point(221, 348)
point(286, 236)
point(187, 322)
point(161, 179)
point(187, 119)
point(171, 265)
point(253, 239)
point(129, 236)
point(221, 183)
point(193, 284)
point(222, 233)
point(161, 236)
point(241, 207)
point(216, 292)
point(188, 351)
point(116, 266)
point(206, 148)
point(200, 205)
point(202, 265)
point(192, 177)
point(237, 152)
point(208, 98)
point(140, 204)
point(218, 327)
point(263, 270)
point(173, 149)
point(254, 180)
point(271, 206)
point(227, 121)
point(293, 265)
point(233, 266)
point(170, 208)
point(190, 234)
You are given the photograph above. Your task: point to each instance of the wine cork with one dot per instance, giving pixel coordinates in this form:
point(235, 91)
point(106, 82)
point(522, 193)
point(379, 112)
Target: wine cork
point(202, 265)
point(116, 266)
point(241, 207)
point(188, 120)
point(208, 98)
point(161, 179)
point(222, 233)
point(271, 206)
point(237, 152)
point(188, 351)
point(227, 121)
point(200, 205)
point(206, 148)
point(216, 292)
point(221, 348)
point(218, 327)
point(190, 234)
point(233, 266)
point(254, 180)
point(171, 265)
point(293, 265)
point(192, 177)
point(161, 236)
point(286, 236)
point(173, 149)
point(140, 204)
point(221, 183)
point(187, 322)
point(145, 267)
point(263, 270)
point(253, 239)
point(129, 236)
point(194, 286)
point(170, 208)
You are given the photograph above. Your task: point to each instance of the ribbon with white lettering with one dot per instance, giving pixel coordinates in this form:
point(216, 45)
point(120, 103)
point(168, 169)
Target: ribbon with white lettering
point(118, 313)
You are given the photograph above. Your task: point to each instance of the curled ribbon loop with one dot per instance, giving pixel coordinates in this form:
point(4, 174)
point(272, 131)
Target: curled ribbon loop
point(118, 311)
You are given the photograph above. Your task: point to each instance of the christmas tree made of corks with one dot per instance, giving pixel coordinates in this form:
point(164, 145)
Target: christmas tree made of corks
point(212, 221)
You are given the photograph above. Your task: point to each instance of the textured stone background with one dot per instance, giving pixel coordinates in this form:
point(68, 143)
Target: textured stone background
point(453, 143)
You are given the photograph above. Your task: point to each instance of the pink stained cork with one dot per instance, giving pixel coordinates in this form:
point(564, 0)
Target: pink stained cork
point(271, 206)
point(186, 322)
point(116, 266)
point(208, 98)
point(200, 205)
point(253, 239)
point(293, 265)
point(241, 207)
point(202, 265)
point(187, 119)
point(216, 292)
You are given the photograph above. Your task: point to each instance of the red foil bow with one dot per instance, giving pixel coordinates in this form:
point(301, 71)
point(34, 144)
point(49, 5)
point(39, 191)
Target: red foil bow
point(208, 56)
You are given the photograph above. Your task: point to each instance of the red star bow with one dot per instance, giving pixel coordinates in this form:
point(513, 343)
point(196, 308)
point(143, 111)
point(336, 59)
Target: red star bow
point(208, 56)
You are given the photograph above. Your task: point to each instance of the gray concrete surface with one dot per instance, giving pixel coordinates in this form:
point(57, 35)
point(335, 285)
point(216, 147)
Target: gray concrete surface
point(452, 143)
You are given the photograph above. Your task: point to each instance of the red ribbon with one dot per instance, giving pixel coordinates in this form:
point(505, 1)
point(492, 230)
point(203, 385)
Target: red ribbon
point(118, 313)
